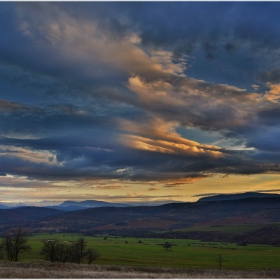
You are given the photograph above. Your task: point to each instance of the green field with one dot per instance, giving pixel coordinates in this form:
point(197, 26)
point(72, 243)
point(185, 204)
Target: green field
point(236, 229)
point(184, 253)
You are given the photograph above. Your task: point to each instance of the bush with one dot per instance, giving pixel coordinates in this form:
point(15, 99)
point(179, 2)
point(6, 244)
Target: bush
point(167, 245)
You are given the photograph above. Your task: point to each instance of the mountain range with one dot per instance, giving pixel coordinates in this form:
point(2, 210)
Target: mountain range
point(67, 205)
point(71, 205)
point(204, 219)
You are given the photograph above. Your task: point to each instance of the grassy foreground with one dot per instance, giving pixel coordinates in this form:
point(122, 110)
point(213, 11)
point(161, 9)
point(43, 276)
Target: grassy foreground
point(184, 253)
point(41, 270)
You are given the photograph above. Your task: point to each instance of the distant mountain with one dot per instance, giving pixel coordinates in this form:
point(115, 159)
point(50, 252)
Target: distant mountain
point(70, 205)
point(222, 197)
point(4, 205)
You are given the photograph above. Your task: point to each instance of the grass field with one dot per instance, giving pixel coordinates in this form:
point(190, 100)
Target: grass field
point(183, 254)
point(47, 270)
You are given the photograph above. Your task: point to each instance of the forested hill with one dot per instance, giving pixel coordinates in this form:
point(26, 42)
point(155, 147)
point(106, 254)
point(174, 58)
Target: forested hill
point(166, 217)
point(237, 196)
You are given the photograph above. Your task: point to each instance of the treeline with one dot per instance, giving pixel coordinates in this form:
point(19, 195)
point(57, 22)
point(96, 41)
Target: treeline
point(15, 242)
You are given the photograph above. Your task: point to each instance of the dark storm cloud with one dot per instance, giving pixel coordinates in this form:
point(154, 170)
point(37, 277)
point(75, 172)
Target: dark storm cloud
point(186, 24)
point(182, 27)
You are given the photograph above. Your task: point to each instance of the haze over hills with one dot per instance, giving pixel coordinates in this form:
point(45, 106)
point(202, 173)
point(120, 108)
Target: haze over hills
point(67, 205)
point(71, 205)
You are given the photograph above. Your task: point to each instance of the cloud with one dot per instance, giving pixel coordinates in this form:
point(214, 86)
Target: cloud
point(206, 194)
point(271, 76)
point(113, 187)
point(196, 103)
point(184, 181)
point(153, 189)
point(273, 94)
point(97, 91)
point(85, 44)
point(273, 190)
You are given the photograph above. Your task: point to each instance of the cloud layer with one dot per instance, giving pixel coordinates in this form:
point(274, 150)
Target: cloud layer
point(115, 91)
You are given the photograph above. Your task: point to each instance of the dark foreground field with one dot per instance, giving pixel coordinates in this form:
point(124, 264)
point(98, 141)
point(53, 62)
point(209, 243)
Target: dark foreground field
point(76, 271)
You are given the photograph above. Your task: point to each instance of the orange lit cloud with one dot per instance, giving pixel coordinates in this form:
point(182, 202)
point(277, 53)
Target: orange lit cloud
point(184, 181)
point(28, 155)
point(159, 136)
point(273, 94)
point(153, 189)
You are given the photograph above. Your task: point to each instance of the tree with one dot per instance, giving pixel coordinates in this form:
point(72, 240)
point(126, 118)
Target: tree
point(14, 243)
point(50, 250)
point(56, 251)
point(167, 245)
point(92, 255)
point(64, 252)
point(78, 250)
point(219, 261)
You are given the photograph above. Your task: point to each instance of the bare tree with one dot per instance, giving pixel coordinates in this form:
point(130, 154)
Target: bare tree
point(56, 251)
point(219, 261)
point(14, 243)
point(92, 255)
point(79, 250)
point(64, 252)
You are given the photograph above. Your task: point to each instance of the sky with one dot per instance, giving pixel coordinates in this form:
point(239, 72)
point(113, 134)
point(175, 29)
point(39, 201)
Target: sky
point(138, 101)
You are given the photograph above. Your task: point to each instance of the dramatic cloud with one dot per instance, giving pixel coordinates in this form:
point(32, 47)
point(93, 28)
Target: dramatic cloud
point(136, 97)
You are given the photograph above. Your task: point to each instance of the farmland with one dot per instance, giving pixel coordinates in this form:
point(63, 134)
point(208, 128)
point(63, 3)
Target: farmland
point(148, 252)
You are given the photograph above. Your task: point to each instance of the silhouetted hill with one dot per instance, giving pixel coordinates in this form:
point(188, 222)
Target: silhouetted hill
point(237, 196)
